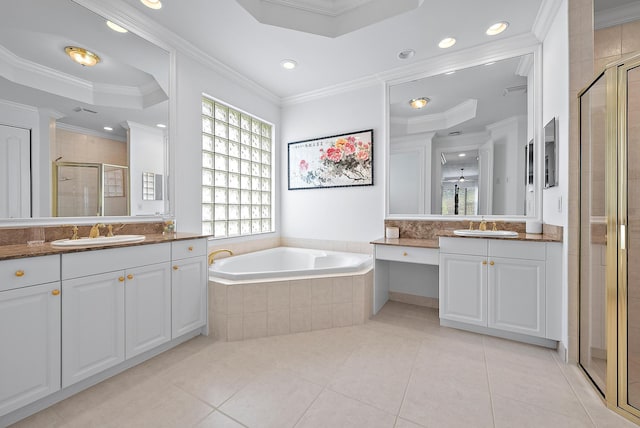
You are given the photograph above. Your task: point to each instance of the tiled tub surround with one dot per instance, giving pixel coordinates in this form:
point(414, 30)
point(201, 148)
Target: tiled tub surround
point(259, 309)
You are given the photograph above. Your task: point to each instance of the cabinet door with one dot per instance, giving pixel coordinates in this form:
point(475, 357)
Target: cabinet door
point(92, 325)
point(189, 295)
point(517, 295)
point(148, 308)
point(463, 288)
point(30, 345)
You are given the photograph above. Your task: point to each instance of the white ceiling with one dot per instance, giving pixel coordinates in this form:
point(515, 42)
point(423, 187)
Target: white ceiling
point(227, 32)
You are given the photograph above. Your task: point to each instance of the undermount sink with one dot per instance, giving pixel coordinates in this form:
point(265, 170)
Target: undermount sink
point(487, 233)
point(101, 240)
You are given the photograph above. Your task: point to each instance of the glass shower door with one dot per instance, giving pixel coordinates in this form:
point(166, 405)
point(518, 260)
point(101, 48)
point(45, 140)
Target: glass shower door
point(593, 238)
point(632, 191)
point(78, 192)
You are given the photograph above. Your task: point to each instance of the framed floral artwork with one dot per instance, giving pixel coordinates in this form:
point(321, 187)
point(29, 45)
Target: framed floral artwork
point(337, 161)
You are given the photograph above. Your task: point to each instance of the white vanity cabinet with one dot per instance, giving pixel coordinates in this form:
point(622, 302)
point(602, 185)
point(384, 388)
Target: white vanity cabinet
point(500, 285)
point(189, 285)
point(29, 330)
point(116, 304)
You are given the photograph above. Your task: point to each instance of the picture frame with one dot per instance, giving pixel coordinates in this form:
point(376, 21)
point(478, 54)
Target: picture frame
point(343, 160)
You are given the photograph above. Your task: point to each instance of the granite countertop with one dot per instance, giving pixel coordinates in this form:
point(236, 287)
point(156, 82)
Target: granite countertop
point(408, 242)
point(434, 243)
point(534, 237)
point(18, 251)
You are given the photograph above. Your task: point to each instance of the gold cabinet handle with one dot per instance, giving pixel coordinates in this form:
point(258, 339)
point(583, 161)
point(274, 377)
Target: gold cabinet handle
point(121, 279)
point(492, 263)
point(55, 292)
point(175, 268)
point(130, 276)
point(484, 262)
point(19, 273)
point(405, 254)
point(190, 248)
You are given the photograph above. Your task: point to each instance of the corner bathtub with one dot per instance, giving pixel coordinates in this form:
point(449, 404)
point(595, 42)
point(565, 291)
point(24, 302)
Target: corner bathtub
point(288, 290)
point(286, 262)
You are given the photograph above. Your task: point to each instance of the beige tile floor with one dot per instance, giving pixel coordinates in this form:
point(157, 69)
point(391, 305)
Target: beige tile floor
point(400, 369)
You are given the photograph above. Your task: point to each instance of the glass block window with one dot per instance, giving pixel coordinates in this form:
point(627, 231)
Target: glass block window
point(237, 172)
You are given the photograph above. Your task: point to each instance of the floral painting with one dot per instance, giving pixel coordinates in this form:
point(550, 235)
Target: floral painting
point(336, 161)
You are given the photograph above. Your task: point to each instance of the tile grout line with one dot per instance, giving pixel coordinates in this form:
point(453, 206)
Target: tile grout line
point(404, 394)
point(486, 369)
point(593, 422)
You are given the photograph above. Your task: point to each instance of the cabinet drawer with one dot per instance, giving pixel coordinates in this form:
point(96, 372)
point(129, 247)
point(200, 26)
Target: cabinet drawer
point(28, 271)
point(86, 263)
point(428, 256)
point(517, 250)
point(470, 246)
point(189, 248)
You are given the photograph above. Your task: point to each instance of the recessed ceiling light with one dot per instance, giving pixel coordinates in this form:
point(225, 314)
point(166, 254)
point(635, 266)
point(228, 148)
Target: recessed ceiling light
point(82, 56)
point(497, 28)
point(447, 42)
point(108, 128)
point(115, 27)
point(406, 54)
point(419, 103)
point(152, 4)
point(461, 155)
point(449, 73)
point(288, 64)
point(490, 63)
point(161, 125)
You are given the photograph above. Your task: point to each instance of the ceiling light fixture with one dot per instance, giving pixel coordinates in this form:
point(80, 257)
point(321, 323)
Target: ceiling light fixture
point(447, 42)
point(115, 27)
point(152, 4)
point(406, 54)
point(461, 179)
point(82, 56)
point(288, 64)
point(497, 28)
point(461, 155)
point(419, 103)
point(161, 125)
point(108, 128)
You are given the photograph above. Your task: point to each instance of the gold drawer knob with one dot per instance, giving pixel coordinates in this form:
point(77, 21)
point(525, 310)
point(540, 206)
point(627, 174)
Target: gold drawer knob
point(190, 248)
point(121, 279)
point(19, 273)
point(130, 276)
point(55, 292)
point(484, 262)
point(175, 268)
point(492, 263)
point(405, 254)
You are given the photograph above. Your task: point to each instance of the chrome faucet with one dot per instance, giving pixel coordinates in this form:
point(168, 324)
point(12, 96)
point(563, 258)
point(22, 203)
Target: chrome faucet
point(95, 230)
point(213, 254)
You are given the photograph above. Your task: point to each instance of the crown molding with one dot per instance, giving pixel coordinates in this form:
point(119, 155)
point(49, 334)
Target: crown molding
point(491, 51)
point(18, 106)
point(546, 14)
point(617, 15)
point(138, 23)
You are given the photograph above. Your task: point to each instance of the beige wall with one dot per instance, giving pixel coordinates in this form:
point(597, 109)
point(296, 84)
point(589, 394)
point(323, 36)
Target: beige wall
point(76, 147)
point(580, 74)
point(613, 43)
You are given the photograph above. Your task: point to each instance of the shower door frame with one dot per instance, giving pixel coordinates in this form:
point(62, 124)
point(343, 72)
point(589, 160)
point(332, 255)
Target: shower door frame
point(616, 394)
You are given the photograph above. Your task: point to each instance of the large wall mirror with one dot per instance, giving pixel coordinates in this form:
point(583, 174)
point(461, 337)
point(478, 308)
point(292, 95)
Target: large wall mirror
point(462, 143)
point(79, 136)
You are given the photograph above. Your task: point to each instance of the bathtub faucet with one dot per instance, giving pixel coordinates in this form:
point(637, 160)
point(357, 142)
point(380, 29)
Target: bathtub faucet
point(216, 252)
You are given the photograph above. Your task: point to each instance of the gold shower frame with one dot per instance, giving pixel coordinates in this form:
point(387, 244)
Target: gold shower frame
point(616, 185)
